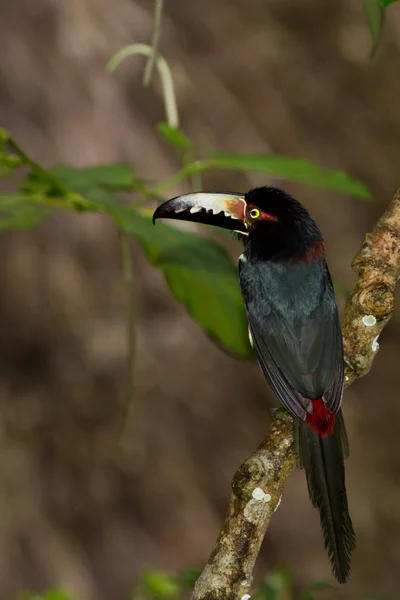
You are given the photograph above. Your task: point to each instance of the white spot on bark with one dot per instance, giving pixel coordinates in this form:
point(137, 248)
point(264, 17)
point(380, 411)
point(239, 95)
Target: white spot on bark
point(375, 345)
point(245, 597)
point(256, 506)
point(244, 583)
point(278, 504)
point(242, 258)
point(346, 378)
point(258, 494)
point(369, 320)
point(261, 496)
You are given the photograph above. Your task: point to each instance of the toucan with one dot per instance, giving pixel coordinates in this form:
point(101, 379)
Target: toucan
point(295, 331)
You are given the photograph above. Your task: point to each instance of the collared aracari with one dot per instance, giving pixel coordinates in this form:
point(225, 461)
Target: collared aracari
point(295, 331)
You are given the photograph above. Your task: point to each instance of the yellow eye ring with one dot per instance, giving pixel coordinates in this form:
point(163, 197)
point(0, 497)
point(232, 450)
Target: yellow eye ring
point(254, 213)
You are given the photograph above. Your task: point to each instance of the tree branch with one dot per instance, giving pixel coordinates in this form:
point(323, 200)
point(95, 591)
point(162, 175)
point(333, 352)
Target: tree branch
point(258, 483)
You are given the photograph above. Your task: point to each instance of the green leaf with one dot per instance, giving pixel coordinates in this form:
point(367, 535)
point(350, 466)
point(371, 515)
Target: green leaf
point(280, 579)
point(116, 177)
point(5, 170)
point(374, 12)
point(314, 587)
point(199, 273)
point(50, 595)
point(159, 585)
point(10, 160)
point(12, 200)
point(38, 183)
point(387, 2)
point(276, 585)
point(20, 216)
point(298, 169)
point(174, 136)
point(4, 136)
point(341, 290)
point(66, 185)
point(8, 163)
point(188, 577)
point(320, 585)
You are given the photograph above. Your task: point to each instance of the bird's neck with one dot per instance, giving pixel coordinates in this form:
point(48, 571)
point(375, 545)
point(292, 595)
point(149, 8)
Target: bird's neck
point(301, 242)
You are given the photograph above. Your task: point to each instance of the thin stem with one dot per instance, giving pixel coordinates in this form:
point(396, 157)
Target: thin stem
point(164, 71)
point(127, 269)
point(195, 179)
point(172, 117)
point(154, 42)
point(74, 202)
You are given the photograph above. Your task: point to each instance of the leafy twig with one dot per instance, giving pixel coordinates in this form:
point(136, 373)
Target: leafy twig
point(29, 162)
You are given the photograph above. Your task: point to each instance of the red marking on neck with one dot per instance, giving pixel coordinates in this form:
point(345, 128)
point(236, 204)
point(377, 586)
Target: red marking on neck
point(321, 420)
point(315, 251)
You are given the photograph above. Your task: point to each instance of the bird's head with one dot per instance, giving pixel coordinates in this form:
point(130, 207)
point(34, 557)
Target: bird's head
point(273, 223)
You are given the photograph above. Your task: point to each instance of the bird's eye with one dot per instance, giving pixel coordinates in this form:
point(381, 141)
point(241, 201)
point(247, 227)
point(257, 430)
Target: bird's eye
point(254, 213)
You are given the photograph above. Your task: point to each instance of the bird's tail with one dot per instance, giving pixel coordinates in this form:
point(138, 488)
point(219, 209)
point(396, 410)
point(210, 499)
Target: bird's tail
point(322, 457)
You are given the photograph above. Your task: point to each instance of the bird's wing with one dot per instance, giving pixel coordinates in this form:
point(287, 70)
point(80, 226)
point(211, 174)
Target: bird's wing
point(301, 356)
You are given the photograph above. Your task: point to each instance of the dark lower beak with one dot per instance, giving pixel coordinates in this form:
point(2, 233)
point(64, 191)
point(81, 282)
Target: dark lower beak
point(222, 209)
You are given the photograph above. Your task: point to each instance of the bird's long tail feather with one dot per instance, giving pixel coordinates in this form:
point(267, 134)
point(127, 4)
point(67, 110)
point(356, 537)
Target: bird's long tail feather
point(323, 460)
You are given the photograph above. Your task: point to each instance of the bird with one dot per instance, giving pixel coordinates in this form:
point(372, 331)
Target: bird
point(295, 331)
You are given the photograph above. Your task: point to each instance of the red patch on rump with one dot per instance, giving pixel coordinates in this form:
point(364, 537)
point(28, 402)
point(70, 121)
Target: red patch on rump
point(321, 420)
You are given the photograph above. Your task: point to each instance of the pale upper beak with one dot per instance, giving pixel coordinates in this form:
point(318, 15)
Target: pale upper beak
point(222, 209)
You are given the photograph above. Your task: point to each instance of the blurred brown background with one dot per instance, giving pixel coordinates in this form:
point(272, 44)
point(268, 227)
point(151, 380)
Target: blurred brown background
point(251, 76)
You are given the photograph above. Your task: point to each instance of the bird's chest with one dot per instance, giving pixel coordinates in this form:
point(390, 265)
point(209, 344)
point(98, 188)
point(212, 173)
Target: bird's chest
point(294, 291)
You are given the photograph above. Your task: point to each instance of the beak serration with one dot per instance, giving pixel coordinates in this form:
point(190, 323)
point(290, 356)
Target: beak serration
point(221, 209)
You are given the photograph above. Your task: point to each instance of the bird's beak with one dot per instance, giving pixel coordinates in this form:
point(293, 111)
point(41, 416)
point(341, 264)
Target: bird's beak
point(223, 209)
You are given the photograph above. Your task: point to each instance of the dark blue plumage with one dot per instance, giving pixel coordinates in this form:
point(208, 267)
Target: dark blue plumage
point(293, 320)
point(294, 325)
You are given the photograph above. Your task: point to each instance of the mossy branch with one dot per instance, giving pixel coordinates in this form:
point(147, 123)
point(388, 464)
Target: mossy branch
point(258, 484)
